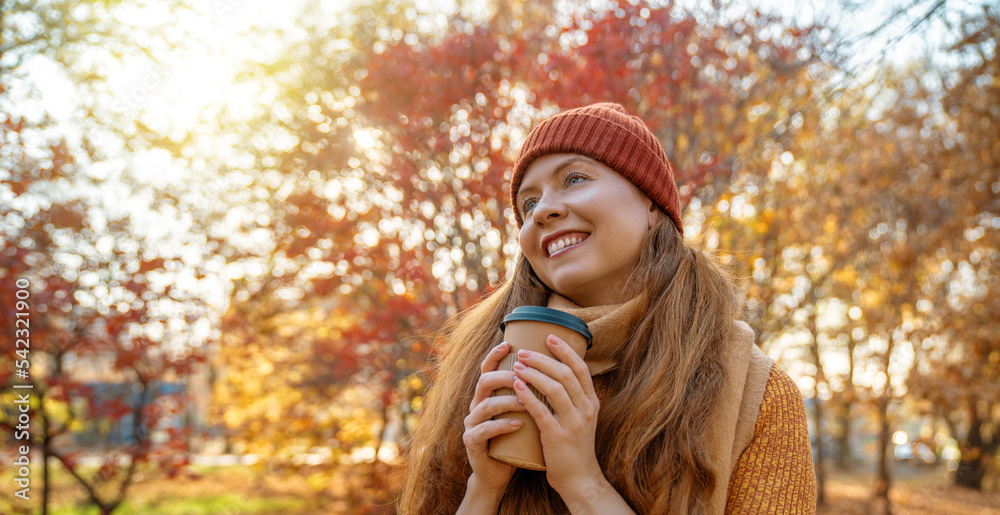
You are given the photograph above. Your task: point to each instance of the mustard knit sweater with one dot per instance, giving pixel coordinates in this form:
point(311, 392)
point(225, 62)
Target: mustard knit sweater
point(774, 474)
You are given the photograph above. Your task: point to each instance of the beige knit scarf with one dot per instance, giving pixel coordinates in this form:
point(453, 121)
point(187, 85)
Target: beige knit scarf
point(609, 324)
point(748, 369)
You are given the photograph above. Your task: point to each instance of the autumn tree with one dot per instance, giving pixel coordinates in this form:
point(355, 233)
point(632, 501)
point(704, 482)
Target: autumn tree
point(856, 218)
point(95, 300)
point(75, 330)
point(957, 376)
point(868, 190)
point(787, 230)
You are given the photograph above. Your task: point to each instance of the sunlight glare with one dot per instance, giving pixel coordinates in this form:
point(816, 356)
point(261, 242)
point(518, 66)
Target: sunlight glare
point(365, 138)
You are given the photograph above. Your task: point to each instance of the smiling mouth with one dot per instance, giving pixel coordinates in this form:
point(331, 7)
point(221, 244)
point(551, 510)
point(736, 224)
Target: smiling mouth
point(565, 243)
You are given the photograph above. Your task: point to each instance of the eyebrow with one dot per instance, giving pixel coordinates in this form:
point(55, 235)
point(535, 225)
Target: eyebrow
point(555, 171)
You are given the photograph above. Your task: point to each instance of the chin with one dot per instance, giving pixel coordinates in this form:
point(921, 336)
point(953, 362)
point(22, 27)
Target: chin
point(567, 287)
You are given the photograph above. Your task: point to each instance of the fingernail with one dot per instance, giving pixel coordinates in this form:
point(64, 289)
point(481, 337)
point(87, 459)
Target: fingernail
point(519, 366)
point(519, 401)
point(501, 345)
point(524, 353)
point(554, 340)
point(515, 422)
point(519, 384)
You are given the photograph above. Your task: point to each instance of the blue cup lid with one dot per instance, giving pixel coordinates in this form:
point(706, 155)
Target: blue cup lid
point(551, 316)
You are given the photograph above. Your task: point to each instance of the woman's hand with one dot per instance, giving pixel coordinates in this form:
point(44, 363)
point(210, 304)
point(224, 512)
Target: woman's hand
point(490, 477)
point(568, 431)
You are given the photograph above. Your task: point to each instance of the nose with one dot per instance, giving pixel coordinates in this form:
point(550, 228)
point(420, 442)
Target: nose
point(548, 207)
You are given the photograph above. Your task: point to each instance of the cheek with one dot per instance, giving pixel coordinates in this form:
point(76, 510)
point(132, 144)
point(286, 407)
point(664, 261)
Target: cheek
point(525, 238)
point(628, 217)
point(624, 208)
point(522, 237)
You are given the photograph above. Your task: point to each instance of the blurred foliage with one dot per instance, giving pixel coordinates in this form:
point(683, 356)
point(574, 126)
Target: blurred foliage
point(826, 199)
point(362, 202)
point(958, 377)
point(92, 310)
point(389, 212)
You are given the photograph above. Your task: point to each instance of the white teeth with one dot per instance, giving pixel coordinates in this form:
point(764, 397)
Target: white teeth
point(558, 245)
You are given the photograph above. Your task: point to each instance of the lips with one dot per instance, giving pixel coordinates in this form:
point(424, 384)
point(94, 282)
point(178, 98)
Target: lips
point(561, 240)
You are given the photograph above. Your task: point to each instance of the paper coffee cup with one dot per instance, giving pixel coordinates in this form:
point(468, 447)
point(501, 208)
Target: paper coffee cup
point(527, 327)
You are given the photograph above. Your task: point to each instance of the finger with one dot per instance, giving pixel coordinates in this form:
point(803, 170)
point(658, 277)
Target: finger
point(556, 370)
point(476, 438)
point(535, 407)
point(553, 389)
point(567, 355)
point(488, 383)
point(496, 354)
point(492, 407)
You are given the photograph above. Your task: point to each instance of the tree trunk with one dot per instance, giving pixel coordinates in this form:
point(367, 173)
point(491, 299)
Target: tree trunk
point(820, 378)
point(820, 460)
point(385, 425)
point(46, 479)
point(976, 456)
point(845, 461)
point(46, 443)
point(884, 481)
point(970, 472)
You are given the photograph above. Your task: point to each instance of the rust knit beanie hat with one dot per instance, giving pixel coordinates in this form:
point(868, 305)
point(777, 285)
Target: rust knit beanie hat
point(606, 133)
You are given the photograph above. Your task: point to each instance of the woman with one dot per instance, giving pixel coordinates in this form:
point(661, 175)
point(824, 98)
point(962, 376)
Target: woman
point(673, 409)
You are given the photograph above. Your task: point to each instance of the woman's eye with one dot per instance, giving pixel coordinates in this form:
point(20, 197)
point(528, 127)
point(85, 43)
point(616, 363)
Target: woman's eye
point(574, 179)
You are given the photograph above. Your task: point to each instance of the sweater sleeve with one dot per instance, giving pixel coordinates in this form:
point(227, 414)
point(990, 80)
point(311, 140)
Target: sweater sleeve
point(775, 473)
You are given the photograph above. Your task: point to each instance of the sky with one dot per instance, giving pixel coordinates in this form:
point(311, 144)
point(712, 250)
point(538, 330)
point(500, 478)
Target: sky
point(177, 88)
point(182, 91)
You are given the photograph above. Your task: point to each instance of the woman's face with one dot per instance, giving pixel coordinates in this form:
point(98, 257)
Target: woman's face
point(583, 226)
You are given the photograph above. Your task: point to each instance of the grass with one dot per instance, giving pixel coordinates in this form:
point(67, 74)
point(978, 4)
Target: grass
point(200, 491)
point(198, 505)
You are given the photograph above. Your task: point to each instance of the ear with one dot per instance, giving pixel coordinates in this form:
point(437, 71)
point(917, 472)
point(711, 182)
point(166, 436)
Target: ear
point(653, 213)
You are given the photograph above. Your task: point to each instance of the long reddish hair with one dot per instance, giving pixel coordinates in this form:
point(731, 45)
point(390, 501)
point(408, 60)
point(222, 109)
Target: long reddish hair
point(651, 428)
